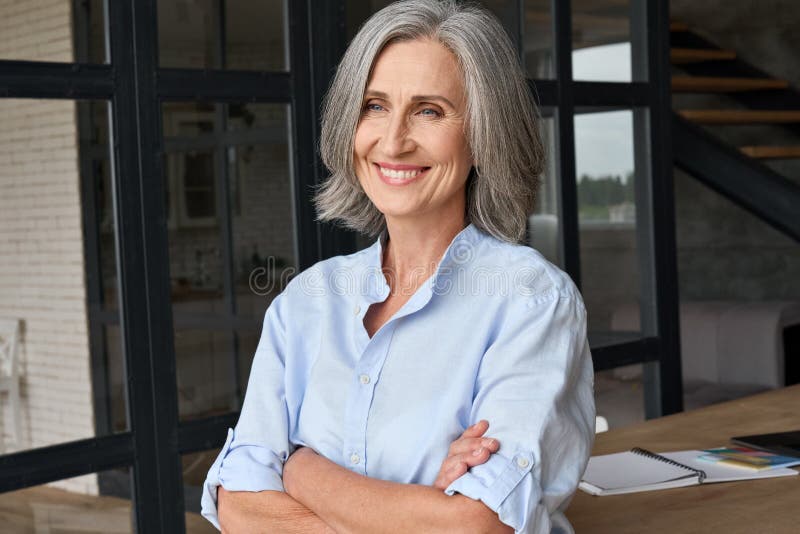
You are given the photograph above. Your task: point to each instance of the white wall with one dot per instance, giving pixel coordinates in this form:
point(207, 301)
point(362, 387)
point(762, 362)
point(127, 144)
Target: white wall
point(41, 241)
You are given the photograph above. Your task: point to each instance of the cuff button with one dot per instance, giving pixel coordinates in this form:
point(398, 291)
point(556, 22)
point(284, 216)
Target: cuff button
point(522, 462)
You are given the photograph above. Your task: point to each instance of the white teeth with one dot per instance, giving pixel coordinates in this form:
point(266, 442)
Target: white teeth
point(400, 175)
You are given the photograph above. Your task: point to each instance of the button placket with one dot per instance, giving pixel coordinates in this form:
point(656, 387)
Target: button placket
point(365, 377)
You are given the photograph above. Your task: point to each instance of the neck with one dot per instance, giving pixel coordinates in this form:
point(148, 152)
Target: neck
point(415, 248)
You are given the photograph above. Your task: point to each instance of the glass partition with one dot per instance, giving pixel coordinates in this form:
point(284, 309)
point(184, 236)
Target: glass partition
point(223, 34)
point(231, 237)
point(601, 40)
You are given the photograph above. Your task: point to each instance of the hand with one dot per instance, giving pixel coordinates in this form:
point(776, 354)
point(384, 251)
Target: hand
point(467, 451)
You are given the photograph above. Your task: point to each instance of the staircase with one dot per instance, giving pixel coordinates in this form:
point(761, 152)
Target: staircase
point(745, 174)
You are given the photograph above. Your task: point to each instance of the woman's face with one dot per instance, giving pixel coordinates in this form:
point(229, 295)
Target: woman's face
point(411, 155)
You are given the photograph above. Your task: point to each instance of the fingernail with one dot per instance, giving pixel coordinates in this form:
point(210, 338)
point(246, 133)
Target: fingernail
point(488, 442)
point(477, 452)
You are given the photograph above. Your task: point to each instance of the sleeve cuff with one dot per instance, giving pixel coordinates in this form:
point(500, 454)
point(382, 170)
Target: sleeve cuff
point(244, 468)
point(494, 483)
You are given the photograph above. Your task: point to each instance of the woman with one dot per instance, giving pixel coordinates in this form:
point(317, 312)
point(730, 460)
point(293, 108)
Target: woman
point(371, 366)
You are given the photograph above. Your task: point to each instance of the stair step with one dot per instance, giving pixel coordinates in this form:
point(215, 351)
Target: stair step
point(715, 84)
point(675, 26)
point(772, 152)
point(740, 116)
point(696, 55)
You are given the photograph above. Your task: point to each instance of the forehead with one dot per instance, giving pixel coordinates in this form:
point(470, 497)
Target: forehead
point(421, 64)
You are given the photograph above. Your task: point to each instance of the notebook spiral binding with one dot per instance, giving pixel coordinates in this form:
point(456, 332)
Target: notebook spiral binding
point(644, 452)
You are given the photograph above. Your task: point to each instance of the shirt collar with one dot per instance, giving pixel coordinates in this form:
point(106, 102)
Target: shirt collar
point(460, 251)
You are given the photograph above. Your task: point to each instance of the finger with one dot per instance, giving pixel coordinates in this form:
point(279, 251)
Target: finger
point(476, 430)
point(449, 474)
point(468, 445)
point(469, 459)
point(456, 465)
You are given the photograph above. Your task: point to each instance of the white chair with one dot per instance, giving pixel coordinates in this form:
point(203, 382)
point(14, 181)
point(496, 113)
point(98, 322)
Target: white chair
point(600, 424)
point(9, 375)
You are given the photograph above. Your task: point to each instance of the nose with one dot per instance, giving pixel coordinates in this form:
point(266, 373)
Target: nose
point(396, 139)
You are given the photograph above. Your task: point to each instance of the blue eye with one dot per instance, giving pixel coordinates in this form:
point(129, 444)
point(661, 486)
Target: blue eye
point(369, 106)
point(372, 106)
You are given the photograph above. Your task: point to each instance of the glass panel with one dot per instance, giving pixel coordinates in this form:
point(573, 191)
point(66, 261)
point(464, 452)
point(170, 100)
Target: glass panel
point(225, 266)
point(610, 256)
point(195, 468)
point(59, 31)
point(358, 11)
point(601, 40)
point(96, 503)
point(192, 168)
point(234, 34)
point(57, 273)
point(97, 166)
point(205, 366)
point(263, 232)
point(544, 225)
point(619, 395)
point(538, 39)
point(212, 371)
point(248, 342)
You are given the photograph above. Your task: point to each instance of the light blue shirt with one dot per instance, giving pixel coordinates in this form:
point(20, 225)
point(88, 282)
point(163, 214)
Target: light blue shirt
point(497, 333)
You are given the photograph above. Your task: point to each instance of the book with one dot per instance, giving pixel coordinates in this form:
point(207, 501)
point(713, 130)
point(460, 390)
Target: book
point(747, 458)
point(641, 470)
point(786, 443)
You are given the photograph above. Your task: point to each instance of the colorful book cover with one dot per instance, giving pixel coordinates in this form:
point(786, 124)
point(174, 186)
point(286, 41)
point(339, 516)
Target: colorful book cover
point(748, 458)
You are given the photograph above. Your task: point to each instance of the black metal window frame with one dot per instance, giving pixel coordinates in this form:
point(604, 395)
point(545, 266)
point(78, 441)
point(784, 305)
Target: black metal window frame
point(648, 95)
point(136, 87)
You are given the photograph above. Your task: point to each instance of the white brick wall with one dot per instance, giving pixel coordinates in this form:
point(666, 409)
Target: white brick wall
point(41, 241)
point(37, 30)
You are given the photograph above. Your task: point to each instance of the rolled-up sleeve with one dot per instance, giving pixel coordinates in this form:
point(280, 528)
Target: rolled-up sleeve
point(535, 387)
point(254, 452)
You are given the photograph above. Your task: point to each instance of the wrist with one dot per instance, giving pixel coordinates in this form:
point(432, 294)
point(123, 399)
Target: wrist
point(292, 470)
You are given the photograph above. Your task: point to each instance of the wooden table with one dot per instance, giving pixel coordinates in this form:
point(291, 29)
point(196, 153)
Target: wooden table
point(751, 506)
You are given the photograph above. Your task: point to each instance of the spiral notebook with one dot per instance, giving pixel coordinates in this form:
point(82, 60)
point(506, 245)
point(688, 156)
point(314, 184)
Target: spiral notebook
point(641, 470)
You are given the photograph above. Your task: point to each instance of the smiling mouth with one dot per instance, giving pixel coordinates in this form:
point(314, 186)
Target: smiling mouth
point(394, 177)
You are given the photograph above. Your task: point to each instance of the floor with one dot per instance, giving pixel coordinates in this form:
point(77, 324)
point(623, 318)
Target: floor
point(44, 510)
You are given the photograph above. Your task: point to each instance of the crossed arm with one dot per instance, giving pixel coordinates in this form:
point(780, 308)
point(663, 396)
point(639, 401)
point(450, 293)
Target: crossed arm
point(322, 497)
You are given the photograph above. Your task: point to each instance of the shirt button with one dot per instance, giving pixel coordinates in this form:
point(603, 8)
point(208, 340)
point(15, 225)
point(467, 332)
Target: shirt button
point(522, 462)
point(356, 310)
point(354, 459)
point(364, 379)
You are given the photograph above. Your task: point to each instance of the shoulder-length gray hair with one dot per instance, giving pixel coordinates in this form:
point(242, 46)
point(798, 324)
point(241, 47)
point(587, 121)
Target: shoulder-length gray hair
point(501, 126)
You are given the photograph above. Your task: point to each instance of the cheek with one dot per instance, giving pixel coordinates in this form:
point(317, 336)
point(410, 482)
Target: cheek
point(364, 139)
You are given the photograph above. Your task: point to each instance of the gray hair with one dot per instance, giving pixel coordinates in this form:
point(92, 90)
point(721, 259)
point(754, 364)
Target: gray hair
point(501, 126)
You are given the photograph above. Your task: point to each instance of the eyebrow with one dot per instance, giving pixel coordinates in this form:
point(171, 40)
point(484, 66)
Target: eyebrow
point(415, 98)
